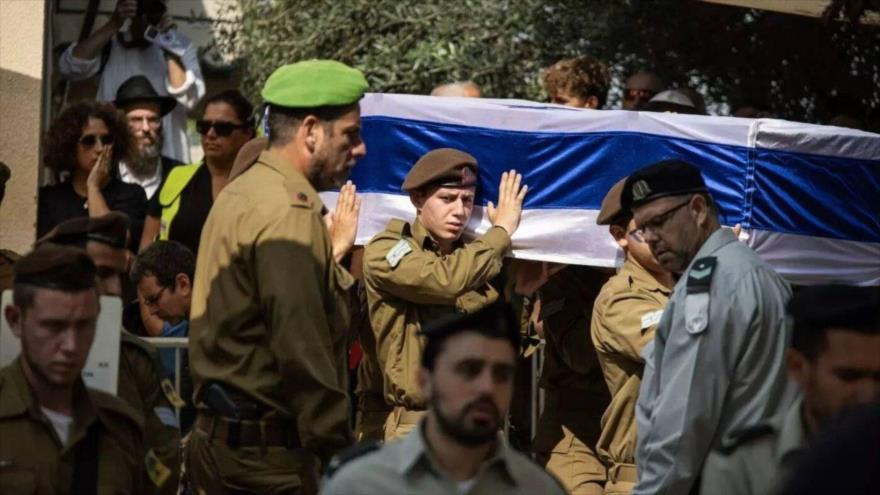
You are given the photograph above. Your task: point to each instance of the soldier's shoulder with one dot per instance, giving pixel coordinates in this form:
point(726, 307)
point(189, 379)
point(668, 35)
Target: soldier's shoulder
point(397, 230)
point(348, 456)
point(749, 437)
point(115, 412)
point(133, 344)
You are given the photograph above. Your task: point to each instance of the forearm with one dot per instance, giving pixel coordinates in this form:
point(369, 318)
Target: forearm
point(152, 226)
point(91, 47)
point(176, 72)
point(97, 203)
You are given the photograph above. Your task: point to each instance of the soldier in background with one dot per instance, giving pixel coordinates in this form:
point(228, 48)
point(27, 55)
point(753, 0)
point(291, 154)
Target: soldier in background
point(835, 360)
point(57, 435)
point(7, 257)
point(624, 318)
point(417, 272)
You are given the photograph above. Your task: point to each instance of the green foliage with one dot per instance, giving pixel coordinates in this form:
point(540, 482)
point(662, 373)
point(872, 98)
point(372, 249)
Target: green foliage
point(796, 66)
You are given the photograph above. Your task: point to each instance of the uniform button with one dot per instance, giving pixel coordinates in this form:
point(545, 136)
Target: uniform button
point(302, 197)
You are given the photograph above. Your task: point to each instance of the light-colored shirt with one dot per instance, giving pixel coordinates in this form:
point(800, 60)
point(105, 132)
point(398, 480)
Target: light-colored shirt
point(719, 365)
point(149, 184)
point(407, 467)
point(150, 62)
point(60, 422)
point(760, 459)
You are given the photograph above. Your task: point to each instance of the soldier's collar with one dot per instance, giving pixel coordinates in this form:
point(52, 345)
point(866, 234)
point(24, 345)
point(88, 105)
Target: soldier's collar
point(301, 190)
point(634, 271)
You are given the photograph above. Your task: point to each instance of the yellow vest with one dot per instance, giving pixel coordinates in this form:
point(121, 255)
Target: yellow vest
point(169, 195)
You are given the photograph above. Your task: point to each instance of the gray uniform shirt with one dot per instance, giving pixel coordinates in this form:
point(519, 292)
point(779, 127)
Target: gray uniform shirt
point(406, 466)
point(719, 365)
point(760, 460)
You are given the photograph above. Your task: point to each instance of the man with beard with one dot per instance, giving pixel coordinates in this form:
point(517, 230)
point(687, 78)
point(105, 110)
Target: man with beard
point(414, 273)
point(719, 348)
point(57, 435)
point(140, 39)
point(467, 370)
point(270, 317)
point(144, 109)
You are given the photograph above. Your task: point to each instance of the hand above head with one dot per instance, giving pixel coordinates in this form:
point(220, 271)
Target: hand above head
point(125, 9)
point(510, 199)
point(100, 173)
point(342, 222)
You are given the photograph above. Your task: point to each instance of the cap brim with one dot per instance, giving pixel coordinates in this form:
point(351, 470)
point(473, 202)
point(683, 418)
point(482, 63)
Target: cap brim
point(166, 103)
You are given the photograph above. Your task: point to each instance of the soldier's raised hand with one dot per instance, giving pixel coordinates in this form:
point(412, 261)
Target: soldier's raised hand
point(510, 199)
point(342, 222)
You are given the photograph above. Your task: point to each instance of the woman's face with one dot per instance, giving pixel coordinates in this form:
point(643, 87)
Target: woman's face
point(91, 144)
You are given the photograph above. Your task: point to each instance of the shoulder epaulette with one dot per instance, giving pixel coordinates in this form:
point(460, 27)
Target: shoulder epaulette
point(350, 454)
point(398, 226)
point(700, 275)
point(744, 436)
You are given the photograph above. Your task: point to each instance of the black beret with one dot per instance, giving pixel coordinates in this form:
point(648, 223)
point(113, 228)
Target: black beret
point(110, 229)
point(844, 306)
point(611, 208)
point(56, 267)
point(444, 167)
point(666, 178)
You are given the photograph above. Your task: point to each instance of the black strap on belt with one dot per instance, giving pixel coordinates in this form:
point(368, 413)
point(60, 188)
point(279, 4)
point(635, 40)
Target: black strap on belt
point(85, 469)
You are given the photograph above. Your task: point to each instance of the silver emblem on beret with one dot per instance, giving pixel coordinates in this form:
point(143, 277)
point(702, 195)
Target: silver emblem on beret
point(640, 190)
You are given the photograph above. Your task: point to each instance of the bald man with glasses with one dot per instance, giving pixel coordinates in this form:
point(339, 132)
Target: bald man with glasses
point(718, 360)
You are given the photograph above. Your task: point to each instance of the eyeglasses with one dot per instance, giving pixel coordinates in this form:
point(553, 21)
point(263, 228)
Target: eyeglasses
point(90, 140)
point(634, 94)
point(656, 224)
point(152, 122)
point(153, 300)
point(222, 129)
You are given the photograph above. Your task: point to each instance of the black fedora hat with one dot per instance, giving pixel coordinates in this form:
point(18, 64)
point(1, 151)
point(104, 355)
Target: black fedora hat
point(138, 88)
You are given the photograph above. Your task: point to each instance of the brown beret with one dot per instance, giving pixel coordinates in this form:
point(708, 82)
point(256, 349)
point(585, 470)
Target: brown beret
point(110, 229)
point(56, 267)
point(611, 207)
point(445, 167)
point(248, 155)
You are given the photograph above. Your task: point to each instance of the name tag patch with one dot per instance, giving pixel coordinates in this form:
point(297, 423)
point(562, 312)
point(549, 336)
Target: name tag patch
point(651, 319)
point(395, 254)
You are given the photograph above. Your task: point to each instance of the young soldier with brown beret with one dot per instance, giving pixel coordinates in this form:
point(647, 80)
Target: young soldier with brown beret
point(57, 435)
point(414, 273)
point(624, 318)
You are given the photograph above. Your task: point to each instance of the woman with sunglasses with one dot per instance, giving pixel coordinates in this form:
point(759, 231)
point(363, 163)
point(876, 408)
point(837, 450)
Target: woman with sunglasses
point(180, 209)
point(85, 144)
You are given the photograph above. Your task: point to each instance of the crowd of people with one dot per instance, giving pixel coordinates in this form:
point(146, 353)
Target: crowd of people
point(315, 365)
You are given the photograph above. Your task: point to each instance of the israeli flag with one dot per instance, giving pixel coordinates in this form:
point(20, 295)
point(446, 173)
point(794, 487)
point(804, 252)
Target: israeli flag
point(807, 196)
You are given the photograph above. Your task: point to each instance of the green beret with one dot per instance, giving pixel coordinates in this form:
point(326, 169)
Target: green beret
point(110, 229)
point(56, 267)
point(444, 167)
point(314, 83)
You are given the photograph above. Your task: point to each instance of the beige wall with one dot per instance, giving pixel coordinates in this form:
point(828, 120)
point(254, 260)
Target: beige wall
point(21, 97)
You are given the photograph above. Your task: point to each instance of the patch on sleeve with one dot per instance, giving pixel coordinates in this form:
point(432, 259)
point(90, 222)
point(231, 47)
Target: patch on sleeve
point(395, 254)
point(651, 319)
point(167, 416)
point(171, 394)
point(156, 470)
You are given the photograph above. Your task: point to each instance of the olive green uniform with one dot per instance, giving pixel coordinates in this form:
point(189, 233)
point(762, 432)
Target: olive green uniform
point(625, 316)
point(576, 395)
point(372, 410)
point(408, 282)
point(143, 385)
point(269, 323)
point(32, 458)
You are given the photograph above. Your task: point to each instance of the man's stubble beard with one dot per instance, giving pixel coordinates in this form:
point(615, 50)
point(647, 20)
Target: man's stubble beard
point(147, 159)
point(455, 429)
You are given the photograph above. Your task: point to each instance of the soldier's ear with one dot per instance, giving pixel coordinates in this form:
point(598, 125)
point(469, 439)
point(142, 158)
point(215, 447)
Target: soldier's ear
point(417, 198)
point(424, 381)
point(14, 315)
point(619, 235)
point(798, 366)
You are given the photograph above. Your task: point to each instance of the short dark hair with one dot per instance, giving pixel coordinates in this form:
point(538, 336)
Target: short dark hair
point(814, 311)
point(64, 134)
point(582, 76)
point(284, 121)
point(244, 110)
point(495, 321)
point(164, 260)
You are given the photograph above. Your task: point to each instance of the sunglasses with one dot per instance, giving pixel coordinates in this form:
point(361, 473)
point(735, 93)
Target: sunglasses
point(222, 129)
point(90, 140)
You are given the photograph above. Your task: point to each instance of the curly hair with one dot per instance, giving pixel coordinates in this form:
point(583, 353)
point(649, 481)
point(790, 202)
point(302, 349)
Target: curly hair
point(581, 76)
point(66, 131)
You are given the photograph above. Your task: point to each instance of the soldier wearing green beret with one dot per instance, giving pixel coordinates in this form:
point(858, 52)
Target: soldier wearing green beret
point(416, 272)
point(57, 435)
point(269, 319)
point(142, 384)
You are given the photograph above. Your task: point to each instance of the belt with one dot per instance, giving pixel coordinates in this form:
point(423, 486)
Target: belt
point(623, 472)
point(250, 433)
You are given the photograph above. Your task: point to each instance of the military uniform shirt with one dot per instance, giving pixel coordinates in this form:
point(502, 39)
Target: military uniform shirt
point(719, 365)
point(408, 281)
point(624, 318)
point(270, 307)
point(407, 466)
point(760, 459)
point(32, 457)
